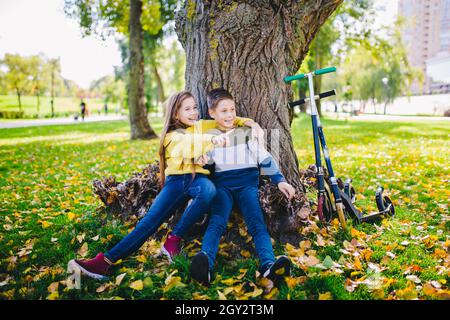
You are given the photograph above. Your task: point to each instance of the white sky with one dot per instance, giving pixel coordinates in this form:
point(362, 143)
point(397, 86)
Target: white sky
point(29, 27)
point(387, 11)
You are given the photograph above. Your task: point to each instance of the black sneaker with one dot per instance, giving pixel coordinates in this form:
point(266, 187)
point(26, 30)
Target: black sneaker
point(200, 268)
point(279, 269)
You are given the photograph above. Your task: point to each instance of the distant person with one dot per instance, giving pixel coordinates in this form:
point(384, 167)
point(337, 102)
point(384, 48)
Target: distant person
point(83, 109)
point(99, 110)
point(106, 109)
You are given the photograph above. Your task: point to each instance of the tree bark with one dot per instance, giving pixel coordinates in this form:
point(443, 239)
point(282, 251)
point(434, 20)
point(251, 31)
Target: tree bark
point(140, 127)
point(248, 47)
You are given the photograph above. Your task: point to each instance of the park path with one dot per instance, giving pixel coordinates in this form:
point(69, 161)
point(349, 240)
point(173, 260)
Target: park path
point(381, 117)
point(57, 121)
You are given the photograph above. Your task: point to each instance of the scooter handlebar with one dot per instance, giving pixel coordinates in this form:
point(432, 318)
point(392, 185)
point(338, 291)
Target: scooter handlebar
point(292, 78)
point(319, 96)
point(325, 70)
point(302, 75)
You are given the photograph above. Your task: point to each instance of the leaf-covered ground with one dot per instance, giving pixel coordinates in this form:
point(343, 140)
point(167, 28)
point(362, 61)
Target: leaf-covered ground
point(49, 215)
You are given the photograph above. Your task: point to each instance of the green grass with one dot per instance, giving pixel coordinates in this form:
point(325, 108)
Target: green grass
point(48, 211)
point(64, 106)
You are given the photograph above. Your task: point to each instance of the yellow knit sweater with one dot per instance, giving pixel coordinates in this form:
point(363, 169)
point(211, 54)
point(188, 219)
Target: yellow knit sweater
point(183, 146)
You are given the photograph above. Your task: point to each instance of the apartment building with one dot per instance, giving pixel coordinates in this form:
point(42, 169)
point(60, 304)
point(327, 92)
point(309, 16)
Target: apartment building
point(427, 37)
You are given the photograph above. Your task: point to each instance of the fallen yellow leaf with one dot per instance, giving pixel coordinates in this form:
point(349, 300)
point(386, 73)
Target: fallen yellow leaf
point(83, 250)
point(142, 258)
point(229, 281)
point(408, 293)
point(172, 282)
point(221, 295)
point(325, 296)
point(137, 285)
point(53, 287)
point(271, 294)
point(119, 278)
point(53, 296)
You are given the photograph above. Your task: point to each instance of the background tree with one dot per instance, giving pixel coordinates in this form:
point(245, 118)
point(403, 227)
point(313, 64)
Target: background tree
point(140, 127)
point(378, 58)
point(40, 78)
point(346, 28)
point(17, 75)
point(54, 67)
point(110, 89)
point(133, 19)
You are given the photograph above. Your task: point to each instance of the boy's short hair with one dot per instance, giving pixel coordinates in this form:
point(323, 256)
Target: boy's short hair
point(216, 95)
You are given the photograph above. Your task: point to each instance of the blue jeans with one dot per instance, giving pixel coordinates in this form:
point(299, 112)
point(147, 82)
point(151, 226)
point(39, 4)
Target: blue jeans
point(177, 190)
point(240, 187)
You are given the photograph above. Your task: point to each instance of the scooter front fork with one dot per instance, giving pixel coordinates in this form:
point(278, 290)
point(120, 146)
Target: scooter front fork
point(339, 204)
point(321, 193)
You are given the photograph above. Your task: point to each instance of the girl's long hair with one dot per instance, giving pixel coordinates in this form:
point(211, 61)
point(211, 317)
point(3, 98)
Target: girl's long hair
point(170, 124)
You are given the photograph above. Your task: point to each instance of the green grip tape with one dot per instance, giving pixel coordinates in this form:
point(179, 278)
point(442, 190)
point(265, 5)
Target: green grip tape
point(323, 71)
point(292, 78)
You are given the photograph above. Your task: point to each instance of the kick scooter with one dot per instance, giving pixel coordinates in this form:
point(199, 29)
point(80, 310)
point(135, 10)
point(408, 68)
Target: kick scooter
point(344, 196)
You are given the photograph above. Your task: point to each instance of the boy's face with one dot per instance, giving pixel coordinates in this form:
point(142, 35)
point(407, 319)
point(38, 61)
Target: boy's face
point(224, 114)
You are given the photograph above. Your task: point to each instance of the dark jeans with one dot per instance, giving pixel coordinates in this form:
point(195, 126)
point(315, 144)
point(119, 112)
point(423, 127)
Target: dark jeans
point(240, 187)
point(177, 190)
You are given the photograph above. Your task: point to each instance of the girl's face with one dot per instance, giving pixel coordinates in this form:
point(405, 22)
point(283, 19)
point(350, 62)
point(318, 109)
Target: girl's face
point(188, 112)
point(224, 114)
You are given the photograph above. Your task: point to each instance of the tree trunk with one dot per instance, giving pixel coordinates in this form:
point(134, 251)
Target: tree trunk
point(20, 102)
point(317, 87)
point(38, 104)
point(53, 93)
point(140, 127)
point(302, 95)
point(318, 82)
point(161, 95)
point(248, 47)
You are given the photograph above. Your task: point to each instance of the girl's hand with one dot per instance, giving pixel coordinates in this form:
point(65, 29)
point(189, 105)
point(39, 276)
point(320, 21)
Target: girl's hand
point(287, 189)
point(202, 160)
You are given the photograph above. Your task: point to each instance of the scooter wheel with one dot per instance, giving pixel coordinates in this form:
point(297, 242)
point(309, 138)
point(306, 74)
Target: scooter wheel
point(386, 202)
point(352, 194)
point(327, 207)
point(383, 202)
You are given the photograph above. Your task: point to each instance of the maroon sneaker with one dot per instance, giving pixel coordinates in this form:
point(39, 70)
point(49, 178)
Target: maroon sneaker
point(172, 246)
point(96, 268)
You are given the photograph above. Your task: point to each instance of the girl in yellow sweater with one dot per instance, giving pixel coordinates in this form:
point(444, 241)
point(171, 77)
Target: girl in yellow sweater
point(182, 144)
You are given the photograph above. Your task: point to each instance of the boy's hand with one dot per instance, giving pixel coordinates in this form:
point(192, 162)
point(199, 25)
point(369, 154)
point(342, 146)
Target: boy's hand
point(222, 140)
point(287, 189)
point(258, 133)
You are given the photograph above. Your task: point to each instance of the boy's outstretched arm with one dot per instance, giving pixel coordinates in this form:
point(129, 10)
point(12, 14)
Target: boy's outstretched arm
point(269, 167)
point(257, 132)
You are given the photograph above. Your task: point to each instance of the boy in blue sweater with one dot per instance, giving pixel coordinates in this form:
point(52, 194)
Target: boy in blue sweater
point(236, 177)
